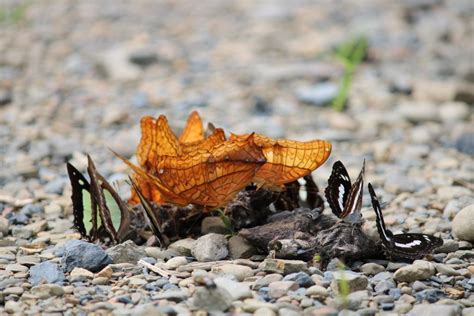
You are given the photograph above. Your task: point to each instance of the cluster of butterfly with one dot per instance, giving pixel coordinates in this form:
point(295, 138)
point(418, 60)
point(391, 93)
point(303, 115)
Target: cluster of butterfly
point(345, 201)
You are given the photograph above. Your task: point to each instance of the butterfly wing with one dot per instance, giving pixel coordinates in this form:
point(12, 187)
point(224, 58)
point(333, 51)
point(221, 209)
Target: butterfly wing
point(80, 200)
point(413, 246)
point(353, 203)
point(194, 130)
point(338, 189)
point(384, 233)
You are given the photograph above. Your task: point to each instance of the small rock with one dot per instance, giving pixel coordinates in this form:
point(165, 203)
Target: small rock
point(105, 273)
point(80, 274)
point(238, 271)
point(21, 232)
point(419, 270)
point(37, 227)
point(279, 288)
point(14, 267)
point(283, 266)
point(447, 193)
point(171, 295)
point(446, 270)
point(212, 299)
point(175, 262)
point(6, 96)
point(266, 280)
point(452, 112)
point(237, 290)
point(448, 246)
point(317, 291)
point(355, 281)
point(264, 311)
point(127, 252)
point(463, 224)
point(78, 253)
point(44, 291)
point(430, 310)
point(213, 224)
point(251, 305)
point(371, 268)
point(183, 246)
point(319, 95)
point(4, 225)
point(419, 112)
point(46, 272)
point(302, 278)
point(465, 143)
point(210, 247)
point(14, 290)
point(240, 248)
point(100, 281)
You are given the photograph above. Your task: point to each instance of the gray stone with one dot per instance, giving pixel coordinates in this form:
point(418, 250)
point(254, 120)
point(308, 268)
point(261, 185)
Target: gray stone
point(319, 95)
point(371, 268)
point(240, 272)
point(463, 224)
point(446, 270)
point(127, 252)
point(283, 266)
point(317, 291)
point(44, 291)
point(419, 270)
point(174, 295)
point(302, 278)
point(465, 143)
point(266, 280)
point(279, 288)
point(183, 246)
point(237, 290)
point(239, 247)
point(448, 246)
point(418, 112)
point(78, 253)
point(452, 112)
point(210, 247)
point(212, 299)
point(468, 311)
point(175, 262)
point(430, 310)
point(355, 281)
point(45, 272)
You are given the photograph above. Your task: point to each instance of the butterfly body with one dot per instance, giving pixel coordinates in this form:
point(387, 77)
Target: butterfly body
point(408, 246)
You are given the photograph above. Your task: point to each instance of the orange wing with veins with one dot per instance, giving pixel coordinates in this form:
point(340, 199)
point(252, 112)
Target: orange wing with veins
point(208, 178)
point(288, 160)
point(194, 130)
point(157, 140)
point(216, 138)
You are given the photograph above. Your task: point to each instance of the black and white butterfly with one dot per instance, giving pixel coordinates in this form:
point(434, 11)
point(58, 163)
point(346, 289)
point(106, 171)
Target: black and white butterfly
point(409, 246)
point(344, 198)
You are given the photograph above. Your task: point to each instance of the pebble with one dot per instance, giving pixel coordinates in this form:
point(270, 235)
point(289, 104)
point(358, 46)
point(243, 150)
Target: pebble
point(317, 291)
point(44, 291)
point(355, 281)
point(419, 270)
point(418, 112)
point(266, 280)
point(212, 299)
point(452, 112)
point(465, 143)
point(283, 266)
point(371, 268)
point(429, 310)
point(80, 274)
point(238, 271)
point(78, 253)
point(238, 291)
point(126, 252)
point(175, 262)
point(319, 95)
point(301, 278)
point(45, 272)
point(279, 288)
point(264, 311)
point(210, 247)
point(183, 246)
point(463, 223)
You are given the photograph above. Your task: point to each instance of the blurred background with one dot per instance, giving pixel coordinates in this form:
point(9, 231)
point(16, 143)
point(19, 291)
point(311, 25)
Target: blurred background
point(391, 82)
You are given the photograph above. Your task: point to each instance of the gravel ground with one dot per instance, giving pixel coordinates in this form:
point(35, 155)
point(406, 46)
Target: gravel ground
point(75, 78)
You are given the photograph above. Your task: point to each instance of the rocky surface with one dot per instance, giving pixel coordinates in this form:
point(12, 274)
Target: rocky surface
point(75, 78)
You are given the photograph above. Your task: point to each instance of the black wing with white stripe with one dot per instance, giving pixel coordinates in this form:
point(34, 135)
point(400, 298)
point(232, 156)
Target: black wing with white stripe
point(354, 200)
point(409, 246)
point(338, 189)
